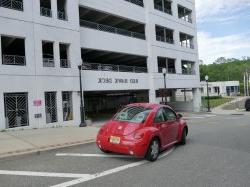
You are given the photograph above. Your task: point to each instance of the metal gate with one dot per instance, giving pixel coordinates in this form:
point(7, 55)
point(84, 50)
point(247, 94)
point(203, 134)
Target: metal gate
point(16, 109)
point(50, 107)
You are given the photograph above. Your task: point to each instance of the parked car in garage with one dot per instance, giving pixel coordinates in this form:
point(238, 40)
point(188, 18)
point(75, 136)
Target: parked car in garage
point(142, 130)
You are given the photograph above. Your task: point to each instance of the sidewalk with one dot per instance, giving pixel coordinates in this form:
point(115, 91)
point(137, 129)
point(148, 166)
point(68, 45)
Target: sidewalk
point(35, 140)
point(219, 110)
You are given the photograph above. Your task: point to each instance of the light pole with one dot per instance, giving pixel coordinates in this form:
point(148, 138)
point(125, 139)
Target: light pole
point(208, 102)
point(164, 71)
point(83, 123)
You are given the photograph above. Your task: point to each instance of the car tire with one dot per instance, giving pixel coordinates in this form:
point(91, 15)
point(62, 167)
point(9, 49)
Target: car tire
point(183, 137)
point(153, 150)
point(104, 151)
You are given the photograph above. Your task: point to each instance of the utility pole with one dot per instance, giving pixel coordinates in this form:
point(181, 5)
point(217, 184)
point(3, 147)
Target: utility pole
point(244, 82)
point(247, 77)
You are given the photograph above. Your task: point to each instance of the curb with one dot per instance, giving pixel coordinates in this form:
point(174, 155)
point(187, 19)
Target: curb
point(45, 148)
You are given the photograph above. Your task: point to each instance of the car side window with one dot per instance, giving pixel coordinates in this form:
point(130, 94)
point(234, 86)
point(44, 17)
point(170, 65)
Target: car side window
point(169, 114)
point(159, 117)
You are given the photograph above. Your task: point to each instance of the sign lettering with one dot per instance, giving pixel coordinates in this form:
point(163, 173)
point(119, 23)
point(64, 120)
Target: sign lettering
point(117, 81)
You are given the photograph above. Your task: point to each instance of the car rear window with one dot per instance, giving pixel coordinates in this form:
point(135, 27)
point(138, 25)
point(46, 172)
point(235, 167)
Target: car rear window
point(132, 114)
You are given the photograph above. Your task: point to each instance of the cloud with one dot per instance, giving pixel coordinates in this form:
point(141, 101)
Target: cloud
point(230, 46)
point(219, 9)
point(219, 13)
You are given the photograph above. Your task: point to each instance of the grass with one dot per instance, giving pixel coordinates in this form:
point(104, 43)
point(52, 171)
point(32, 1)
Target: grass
point(216, 102)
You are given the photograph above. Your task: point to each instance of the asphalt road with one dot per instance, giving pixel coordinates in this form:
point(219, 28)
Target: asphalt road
point(217, 154)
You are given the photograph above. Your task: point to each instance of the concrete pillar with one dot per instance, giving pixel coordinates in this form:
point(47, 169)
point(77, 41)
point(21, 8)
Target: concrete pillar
point(196, 100)
point(1, 51)
point(178, 66)
point(76, 108)
point(59, 106)
point(152, 96)
point(2, 116)
point(56, 54)
point(54, 8)
point(151, 61)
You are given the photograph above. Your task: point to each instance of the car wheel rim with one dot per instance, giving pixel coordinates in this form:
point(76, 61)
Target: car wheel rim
point(154, 149)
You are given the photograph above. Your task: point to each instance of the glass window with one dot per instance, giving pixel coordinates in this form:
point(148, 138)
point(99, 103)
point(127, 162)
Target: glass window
point(132, 114)
point(159, 117)
point(169, 114)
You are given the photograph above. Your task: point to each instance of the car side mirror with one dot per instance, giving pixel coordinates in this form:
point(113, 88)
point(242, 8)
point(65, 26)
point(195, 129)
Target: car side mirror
point(180, 116)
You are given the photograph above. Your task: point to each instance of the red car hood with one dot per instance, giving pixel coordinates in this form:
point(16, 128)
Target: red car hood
point(121, 128)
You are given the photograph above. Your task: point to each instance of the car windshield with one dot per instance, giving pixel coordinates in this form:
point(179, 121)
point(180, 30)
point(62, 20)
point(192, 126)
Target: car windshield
point(132, 114)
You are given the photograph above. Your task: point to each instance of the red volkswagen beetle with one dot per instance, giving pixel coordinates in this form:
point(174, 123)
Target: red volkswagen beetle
point(142, 130)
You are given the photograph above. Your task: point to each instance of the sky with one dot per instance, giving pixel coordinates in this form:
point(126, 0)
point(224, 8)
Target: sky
point(223, 29)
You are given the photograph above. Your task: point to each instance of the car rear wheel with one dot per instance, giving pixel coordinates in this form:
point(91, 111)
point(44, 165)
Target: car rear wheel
point(183, 137)
point(153, 150)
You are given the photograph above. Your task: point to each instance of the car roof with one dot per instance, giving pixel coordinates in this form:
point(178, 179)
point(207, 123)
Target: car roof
point(148, 105)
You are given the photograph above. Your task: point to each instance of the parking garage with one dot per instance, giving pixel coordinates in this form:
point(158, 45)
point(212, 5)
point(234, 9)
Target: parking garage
point(98, 60)
point(94, 19)
point(106, 103)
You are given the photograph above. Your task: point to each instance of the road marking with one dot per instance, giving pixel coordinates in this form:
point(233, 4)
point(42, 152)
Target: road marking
point(43, 174)
point(200, 116)
point(194, 117)
point(109, 172)
point(92, 155)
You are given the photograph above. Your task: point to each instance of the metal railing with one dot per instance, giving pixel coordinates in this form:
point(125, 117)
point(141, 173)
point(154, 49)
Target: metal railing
point(187, 45)
point(115, 68)
point(14, 60)
point(47, 12)
point(169, 70)
point(137, 2)
point(12, 4)
point(188, 72)
point(186, 18)
point(64, 63)
point(48, 62)
point(111, 29)
point(160, 8)
point(61, 15)
point(163, 39)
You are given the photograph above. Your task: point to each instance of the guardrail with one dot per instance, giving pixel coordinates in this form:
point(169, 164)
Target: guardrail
point(188, 72)
point(12, 4)
point(111, 29)
point(187, 45)
point(169, 70)
point(46, 12)
point(61, 15)
point(163, 39)
point(64, 63)
point(137, 2)
point(187, 19)
point(115, 68)
point(48, 62)
point(14, 60)
point(160, 8)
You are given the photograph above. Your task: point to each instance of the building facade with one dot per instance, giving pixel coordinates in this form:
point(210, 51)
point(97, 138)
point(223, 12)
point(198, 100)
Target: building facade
point(226, 88)
point(122, 45)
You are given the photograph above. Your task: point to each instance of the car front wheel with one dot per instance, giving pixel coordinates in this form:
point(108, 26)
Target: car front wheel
point(183, 137)
point(153, 150)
